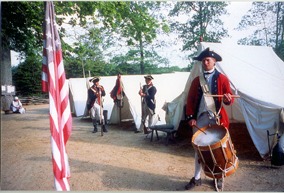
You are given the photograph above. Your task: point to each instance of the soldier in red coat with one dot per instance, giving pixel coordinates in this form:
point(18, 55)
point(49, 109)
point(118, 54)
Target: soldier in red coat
point(201, 110)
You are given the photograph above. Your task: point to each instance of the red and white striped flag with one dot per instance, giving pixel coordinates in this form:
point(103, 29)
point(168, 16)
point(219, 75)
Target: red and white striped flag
point(54, 82)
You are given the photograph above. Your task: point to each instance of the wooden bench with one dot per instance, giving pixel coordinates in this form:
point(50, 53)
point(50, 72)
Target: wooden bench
point(167, 128)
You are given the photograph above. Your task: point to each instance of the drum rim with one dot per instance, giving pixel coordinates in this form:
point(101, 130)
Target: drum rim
point(214, 145)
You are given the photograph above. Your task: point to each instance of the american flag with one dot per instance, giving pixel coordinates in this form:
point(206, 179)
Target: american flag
point(54, 82)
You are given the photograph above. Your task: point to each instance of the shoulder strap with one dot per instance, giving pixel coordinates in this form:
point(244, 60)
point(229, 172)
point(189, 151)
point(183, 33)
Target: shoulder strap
point(209, 101)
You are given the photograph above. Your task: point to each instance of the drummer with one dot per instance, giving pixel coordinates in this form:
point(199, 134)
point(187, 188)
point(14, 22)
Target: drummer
point(202, 111)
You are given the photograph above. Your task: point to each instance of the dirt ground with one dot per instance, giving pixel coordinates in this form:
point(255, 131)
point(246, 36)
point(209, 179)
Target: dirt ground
point(121, 160)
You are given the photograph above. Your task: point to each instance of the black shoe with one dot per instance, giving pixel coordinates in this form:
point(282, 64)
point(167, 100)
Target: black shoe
point(192, 183)
point(95, 130)
point(137, 131)
point(220, 183)
point(104, 129)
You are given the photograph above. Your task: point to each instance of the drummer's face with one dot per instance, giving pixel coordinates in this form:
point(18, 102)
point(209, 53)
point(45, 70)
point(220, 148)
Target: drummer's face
point(208, 63)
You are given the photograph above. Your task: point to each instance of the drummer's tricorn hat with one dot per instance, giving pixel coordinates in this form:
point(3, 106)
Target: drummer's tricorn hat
point(208, 53)
point(149, 77)
point(95, 79)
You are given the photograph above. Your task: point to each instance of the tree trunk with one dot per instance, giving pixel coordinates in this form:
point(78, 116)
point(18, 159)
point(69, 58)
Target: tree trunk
point(142, 67)
point(6, 78)
point(6, 69)
point(278, 19)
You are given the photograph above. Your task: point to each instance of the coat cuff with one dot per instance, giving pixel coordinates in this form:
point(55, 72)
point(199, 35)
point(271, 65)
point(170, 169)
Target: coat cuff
point(189, 117)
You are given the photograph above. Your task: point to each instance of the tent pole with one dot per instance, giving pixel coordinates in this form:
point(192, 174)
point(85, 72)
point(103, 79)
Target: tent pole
point(119, 115)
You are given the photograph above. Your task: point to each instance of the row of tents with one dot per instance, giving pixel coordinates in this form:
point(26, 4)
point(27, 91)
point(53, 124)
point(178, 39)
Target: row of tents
point(256, 74)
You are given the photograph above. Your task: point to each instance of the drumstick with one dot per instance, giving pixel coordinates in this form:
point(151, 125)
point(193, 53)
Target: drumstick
point(216, 95)
point(199, 129)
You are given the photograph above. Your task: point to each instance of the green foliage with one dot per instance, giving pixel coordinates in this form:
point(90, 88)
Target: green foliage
point(138, 24)
point(127, 64)
point(130, 62)
point(170, 69)
point(140, 28)
point(27, 76)
point(73, 68)
point(267, 19)
point(203, 22)
point(130, 20)
point(22, 25)
point(133, 23)
point(87, 55)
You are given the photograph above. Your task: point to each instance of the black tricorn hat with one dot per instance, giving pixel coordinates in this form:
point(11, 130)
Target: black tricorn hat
point(95, 79)
point(208, 53)
point(149, 77)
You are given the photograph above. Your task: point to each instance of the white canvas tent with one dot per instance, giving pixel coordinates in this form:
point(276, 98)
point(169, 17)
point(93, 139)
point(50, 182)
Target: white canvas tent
point(168, 87)
point(257, 75)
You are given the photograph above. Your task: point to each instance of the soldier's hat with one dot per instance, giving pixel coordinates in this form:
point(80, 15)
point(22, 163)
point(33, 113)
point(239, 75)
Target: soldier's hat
point(149, 77)
point(208, 53)
point(95, 79)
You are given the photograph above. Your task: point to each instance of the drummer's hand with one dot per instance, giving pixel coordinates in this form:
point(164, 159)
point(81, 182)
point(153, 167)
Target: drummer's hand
point(192, 122)
point(227, 98)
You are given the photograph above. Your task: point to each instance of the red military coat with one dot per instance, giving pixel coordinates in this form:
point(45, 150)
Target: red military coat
point(221, 85)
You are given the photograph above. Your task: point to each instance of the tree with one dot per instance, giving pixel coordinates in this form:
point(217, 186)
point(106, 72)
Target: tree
point(22, 25)
point(130, 62)
point(27, 76)
point(202, 24)
point(97, 19)
point(267, 21)
point(126, 64)
point(132, 19)
point(140, 28)
point(88, 53)
point(21, 31)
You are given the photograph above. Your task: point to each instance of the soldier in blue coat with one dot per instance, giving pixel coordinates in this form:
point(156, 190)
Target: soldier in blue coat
point(148, 104)
point(95, 103)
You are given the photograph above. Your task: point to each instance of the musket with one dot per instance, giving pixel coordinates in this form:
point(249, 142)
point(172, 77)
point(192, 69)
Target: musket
point(101, 111)
point(143, 121)
point(96, 93)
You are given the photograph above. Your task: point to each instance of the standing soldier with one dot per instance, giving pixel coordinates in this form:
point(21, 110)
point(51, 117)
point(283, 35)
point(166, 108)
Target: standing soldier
point(95, 103)
point(148, 104)
point(202, 111)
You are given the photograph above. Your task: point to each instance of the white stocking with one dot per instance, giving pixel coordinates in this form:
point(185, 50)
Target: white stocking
point(197, 171)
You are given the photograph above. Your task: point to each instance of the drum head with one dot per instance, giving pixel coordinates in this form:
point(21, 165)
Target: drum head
point(212, 136)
